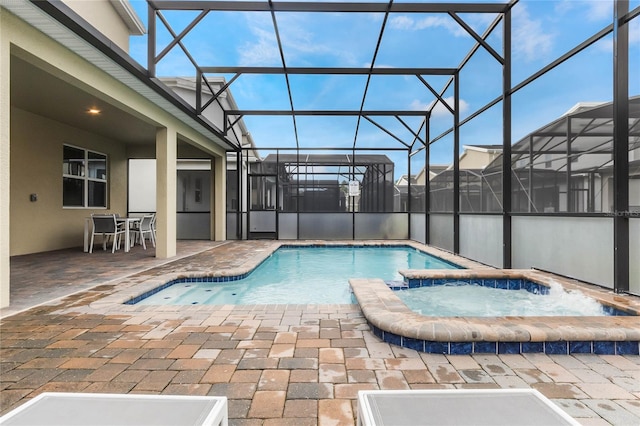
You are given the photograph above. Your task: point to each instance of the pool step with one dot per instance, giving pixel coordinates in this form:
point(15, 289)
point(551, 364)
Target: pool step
point(397, 284)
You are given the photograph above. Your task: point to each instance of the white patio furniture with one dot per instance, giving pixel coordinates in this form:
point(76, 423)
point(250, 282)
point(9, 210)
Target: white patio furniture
point(473, 407)
point(108, 227)
point(129, 224)
point(86, 409)
point(144, 230)
point(125, 223)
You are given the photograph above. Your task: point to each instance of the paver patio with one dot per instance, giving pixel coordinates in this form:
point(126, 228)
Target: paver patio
point(277, 364)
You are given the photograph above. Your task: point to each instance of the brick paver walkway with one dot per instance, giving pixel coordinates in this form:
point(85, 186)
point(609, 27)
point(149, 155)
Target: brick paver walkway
point(278, 365)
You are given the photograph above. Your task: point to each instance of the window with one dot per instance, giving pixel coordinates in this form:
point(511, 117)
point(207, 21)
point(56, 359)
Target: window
point(84, 178)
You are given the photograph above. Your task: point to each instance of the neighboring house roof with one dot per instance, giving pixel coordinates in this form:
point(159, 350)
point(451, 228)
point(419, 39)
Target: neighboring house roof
point(129, 16)
point(591, 134)
point(581, 107)
point(189, 83)
point(484, 148)
point(434, 169)
point(404, 180)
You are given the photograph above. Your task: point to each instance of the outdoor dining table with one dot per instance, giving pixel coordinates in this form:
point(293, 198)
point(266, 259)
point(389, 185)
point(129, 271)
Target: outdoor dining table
point(128, 223)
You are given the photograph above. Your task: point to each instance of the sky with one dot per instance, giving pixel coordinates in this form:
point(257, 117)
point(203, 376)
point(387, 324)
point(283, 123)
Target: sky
point(543, 30)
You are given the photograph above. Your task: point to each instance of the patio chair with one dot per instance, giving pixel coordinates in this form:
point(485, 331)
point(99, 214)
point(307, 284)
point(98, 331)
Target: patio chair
point(145, 228)
point(153, 226)
point(107, 227)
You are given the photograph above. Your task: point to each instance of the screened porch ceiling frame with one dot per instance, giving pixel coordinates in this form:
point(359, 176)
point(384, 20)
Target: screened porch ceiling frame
point(231, 117)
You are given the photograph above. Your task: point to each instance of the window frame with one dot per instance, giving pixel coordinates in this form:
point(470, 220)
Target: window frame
point(85, 178)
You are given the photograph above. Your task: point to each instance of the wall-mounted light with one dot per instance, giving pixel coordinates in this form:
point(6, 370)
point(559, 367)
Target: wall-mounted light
point(93, 111)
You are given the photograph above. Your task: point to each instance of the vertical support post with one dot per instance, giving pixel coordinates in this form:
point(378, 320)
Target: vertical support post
point(239, 208)
point(249, 188)
point(592, 193)
point(353, 206)
point(166, 176)
point(5, 164)
point(620, 147)
point(381, 202)
point(530, 185)
point(427, 181)
point(456, 164)
point(408, 193)
point(569, 206)
point(276, 204)
point(219, 200)
point(151, 40)
point(199, 97)
point(506, 143)
point(298, 193)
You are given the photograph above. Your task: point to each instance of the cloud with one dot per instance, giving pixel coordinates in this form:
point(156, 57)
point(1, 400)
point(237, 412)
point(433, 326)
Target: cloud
point(634, 32)
point(298, 41)
point(529, 41)
point(262, 49)
point(403, 22)
point(417, 105)
point(606, 44)
point(593, 10)
point(477, 21)
point(439, 110)
point(599, 10)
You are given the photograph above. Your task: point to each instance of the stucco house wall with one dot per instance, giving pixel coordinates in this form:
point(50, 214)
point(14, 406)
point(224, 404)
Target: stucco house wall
point(115, 19)
point(31, 154)
point(36, 168)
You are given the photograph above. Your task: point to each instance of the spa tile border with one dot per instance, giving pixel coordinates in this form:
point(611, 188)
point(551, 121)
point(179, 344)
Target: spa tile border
point(510, 280)
point(393, 322)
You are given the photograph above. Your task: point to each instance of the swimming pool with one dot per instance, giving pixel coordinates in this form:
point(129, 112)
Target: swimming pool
point(297, 275)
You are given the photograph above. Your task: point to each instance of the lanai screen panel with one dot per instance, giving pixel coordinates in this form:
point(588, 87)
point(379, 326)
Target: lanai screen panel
point(575, 152)
point(326, 74)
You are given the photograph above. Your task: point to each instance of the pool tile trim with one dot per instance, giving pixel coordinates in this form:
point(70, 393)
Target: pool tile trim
point(153, 287)
point(503, 283)
point(392, 321)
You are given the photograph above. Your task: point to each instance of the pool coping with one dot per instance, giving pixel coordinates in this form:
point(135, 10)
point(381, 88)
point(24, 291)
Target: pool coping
point(394, 322)
point(388, 316)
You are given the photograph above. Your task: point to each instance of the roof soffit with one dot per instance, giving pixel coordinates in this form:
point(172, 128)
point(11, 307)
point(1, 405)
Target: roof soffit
point(150, 90)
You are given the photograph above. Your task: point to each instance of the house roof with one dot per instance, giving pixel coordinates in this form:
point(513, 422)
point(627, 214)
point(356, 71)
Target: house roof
point(129, 16)
point(591, 126)
point(485, 148)
point(60, 23)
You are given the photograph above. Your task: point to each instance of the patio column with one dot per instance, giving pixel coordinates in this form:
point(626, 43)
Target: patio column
point(166, 177)
point(5, 166)
point(219, 199)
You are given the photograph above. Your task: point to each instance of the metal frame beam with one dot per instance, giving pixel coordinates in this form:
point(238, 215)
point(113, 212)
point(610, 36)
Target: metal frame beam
point(322, 112)
point(328, 70)
point(342, 7)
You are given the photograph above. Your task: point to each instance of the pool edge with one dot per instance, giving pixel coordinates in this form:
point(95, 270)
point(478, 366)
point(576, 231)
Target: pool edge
point(393, 322)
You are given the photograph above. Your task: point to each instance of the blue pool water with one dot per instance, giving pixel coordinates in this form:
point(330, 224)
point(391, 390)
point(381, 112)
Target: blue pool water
point(460, 299)
point(302, 275)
